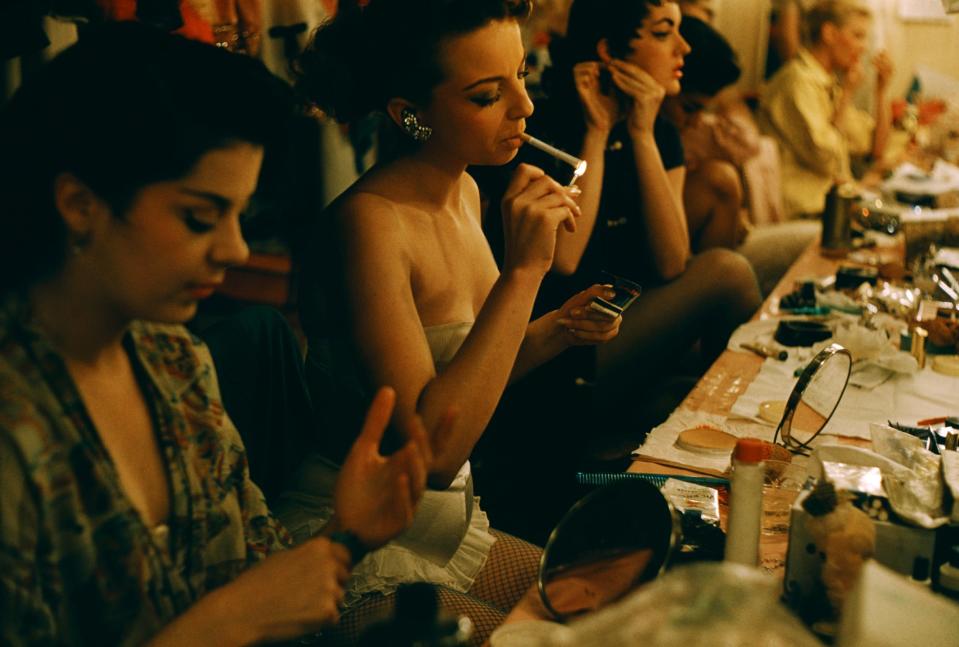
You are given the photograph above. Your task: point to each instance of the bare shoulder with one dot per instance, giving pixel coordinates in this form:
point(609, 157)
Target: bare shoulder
point(372, 228)
point(362, 213)
point(358, 206)
point(470, 187)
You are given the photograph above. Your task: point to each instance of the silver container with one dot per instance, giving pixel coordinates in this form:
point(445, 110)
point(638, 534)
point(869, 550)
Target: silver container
point(841, 201)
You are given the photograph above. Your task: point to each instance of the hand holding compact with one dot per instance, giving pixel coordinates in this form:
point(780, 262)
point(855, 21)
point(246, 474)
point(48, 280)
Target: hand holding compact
point(586, 326)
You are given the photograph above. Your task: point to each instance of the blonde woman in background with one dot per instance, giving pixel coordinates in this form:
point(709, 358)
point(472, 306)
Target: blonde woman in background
point(807, 106)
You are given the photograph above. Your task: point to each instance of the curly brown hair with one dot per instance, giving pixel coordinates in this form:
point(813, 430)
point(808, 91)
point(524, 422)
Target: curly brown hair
point(366, 55)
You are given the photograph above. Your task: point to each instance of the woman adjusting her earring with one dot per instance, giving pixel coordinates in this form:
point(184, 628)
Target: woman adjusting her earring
point(609, 77)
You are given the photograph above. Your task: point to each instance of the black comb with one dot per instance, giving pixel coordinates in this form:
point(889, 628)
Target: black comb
point(603, 478)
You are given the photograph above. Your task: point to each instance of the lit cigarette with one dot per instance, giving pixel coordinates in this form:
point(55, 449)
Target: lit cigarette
point(579, 166)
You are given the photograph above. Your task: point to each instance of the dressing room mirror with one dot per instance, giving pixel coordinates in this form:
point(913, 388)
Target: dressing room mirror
point(814, 398)
point(612, 540)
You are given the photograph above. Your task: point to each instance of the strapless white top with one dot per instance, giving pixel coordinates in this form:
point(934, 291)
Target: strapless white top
point(445, 340)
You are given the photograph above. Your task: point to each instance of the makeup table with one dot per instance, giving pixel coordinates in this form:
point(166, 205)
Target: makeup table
point(733, 371)
point(731, 374)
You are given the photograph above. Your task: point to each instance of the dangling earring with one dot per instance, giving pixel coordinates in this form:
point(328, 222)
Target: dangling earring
point(413, 128)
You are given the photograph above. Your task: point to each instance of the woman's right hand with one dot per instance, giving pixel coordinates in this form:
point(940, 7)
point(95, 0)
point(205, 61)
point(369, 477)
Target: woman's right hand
point(644, 92)
point(600, 110)
point(292, 592)
point(534, 205)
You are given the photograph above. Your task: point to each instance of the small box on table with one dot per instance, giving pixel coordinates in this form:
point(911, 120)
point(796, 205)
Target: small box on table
point(923, 227)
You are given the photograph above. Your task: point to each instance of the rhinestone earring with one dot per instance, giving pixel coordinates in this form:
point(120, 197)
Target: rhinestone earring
point(413, 128)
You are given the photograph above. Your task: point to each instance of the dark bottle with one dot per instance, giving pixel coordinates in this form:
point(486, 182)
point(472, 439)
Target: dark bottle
point(418, 622)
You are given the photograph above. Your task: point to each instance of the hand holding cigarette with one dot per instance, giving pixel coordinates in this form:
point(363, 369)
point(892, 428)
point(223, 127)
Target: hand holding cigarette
point(534, 205)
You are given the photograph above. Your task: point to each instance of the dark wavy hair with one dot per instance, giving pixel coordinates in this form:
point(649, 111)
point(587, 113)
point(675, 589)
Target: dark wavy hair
point(711, 64)
point(590, 21)
point(365, 56)
point(125, 107)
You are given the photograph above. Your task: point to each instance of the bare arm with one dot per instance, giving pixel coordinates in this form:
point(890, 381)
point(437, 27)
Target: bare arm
point(570, 246)
point(287, 595)
point(664, 215)
point(661, 190)
point(389, 334)
point(574, 324)
point(600, 112)
point(884, 70)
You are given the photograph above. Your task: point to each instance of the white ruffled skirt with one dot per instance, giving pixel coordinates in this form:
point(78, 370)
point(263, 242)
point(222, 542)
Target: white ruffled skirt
point(448, 543)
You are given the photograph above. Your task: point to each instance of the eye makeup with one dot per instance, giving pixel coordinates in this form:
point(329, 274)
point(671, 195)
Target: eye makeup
point(484, 100)
point(196, 222)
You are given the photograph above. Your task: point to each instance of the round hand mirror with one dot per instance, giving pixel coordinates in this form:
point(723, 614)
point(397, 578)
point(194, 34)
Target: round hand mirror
point(610, 541)
point(814, 398)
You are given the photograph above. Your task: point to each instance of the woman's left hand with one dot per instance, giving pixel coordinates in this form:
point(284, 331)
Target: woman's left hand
point(584, 326)
point(884, 69)
point(375, 495)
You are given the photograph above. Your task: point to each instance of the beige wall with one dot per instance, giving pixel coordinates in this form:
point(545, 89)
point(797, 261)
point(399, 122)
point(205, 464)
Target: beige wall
point(933, 45)
point(745, 23)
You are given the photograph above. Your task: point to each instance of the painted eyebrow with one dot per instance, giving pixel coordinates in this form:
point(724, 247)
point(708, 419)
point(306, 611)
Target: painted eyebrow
point(221, 203)
point(668, 21)
point(491, 79)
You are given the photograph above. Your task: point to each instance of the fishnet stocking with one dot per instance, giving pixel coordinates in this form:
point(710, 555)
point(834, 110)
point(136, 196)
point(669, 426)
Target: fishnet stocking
point(509, 572)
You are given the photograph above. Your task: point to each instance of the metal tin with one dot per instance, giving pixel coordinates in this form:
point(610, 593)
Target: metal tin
point(837, 217)
point(952, 441)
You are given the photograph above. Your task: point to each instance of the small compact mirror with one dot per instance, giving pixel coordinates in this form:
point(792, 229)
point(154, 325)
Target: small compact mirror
point(815, 397)
point(613, 539)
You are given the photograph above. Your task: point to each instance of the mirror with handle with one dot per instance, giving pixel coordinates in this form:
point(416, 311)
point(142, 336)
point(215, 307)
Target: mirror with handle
point(814, 398)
